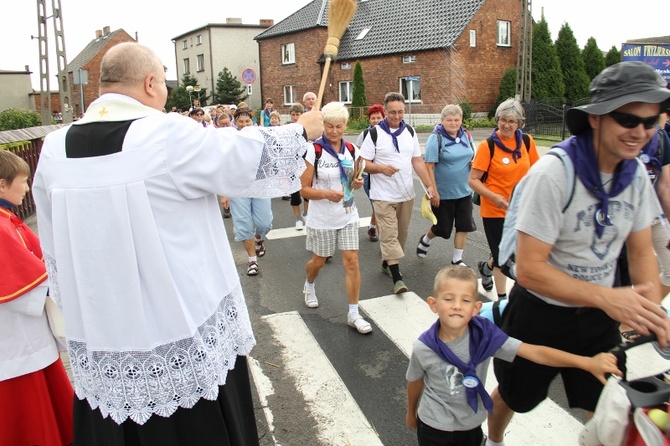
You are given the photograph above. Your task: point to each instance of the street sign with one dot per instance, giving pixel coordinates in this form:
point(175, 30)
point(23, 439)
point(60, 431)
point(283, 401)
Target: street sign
point(249, 76)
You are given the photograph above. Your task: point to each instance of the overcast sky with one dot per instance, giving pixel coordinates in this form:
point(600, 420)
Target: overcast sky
point(156, 23)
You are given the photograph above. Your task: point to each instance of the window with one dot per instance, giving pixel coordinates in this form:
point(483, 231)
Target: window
point(345, 66)
point(289, 94)
point(187, 66)
point(198, 39)
point(408, 59)
point(504, 31)
point(288, 53)
point(346, 87)
point(184, 45)
point(200, 62)
point(249, 90)
point(410, 87)
point(362, 34)
point(473, 38)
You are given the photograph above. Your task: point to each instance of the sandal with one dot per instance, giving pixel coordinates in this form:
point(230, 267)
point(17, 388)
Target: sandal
point(310, 298)
point(356, 321)
point(260, 247)
point(422, 248)
point(252, 268)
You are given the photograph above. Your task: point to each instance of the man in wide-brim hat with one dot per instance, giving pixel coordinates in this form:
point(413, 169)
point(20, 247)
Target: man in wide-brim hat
point(569, 239)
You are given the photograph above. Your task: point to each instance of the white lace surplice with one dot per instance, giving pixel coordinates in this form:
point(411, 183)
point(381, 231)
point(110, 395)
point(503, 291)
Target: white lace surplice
point(139, 261)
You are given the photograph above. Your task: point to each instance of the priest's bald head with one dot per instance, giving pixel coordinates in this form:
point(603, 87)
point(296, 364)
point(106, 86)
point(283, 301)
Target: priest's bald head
point(136, 71)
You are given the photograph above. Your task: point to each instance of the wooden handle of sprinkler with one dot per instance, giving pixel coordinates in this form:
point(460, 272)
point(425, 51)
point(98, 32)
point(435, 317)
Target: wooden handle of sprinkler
point(324, 78)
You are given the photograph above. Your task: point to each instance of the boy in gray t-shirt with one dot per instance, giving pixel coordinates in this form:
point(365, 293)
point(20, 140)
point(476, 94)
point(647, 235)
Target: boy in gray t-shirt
point(446, 399)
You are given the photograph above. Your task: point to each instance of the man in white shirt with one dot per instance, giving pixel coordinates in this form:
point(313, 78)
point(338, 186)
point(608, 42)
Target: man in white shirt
point(138, 258)
point(391, 150)
point(309, 101)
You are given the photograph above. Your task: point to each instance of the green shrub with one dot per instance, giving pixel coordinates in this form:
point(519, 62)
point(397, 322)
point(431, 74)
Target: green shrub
point(14, 118)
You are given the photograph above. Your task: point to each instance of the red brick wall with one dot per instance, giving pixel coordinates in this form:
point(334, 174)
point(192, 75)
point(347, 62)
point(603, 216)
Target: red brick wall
point(454, 75)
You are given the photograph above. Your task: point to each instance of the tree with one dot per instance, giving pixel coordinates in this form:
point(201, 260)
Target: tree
point(613, 56)
point(594, 61)
point(181, 98)
point(14, 118)
point(546, 73)
point(358, 100)
point(575, 79)
point(228, 89)
point(507, 87)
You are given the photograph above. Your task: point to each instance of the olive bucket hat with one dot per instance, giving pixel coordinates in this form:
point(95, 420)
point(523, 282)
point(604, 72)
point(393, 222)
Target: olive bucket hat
point(616, 86)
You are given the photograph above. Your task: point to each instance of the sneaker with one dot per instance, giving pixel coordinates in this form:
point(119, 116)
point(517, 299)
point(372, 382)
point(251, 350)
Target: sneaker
point(299, 225)
point(260, 247)
point(372, 233)
point(226, 212)
point(252, 268)
point(487, 279)
point(386, 270)
point(361, 325)
point(459, 263)
point(399, 287)
point(310, 298)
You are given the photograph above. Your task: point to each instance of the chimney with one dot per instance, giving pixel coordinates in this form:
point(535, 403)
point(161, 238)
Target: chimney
point(98, 33)
point(266, 22)
point(105, 30)
point(27, 68)
point(233, 21)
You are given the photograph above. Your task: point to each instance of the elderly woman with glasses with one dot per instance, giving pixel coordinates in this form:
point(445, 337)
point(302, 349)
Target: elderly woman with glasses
point(500, 162)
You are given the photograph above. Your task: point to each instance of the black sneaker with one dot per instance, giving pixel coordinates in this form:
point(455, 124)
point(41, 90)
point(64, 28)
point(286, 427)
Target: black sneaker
point(459, 263)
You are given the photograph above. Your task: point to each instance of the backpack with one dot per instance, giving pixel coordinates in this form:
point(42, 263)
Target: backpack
point(659, 151)
point(318, 149)
point(373, 133)
point(507, 247)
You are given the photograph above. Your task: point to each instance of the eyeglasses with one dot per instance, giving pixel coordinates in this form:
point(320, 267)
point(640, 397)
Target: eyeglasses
point(199, 114)
point(505, 122)
point(396, 112)
point(629, 121)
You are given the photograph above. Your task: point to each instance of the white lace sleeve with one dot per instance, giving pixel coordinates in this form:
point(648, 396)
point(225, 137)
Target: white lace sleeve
point(52, 273)
point(281, 164)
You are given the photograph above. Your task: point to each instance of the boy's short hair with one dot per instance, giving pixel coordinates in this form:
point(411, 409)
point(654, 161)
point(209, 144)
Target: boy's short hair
point(457, 272)
point(296, 108)
point(11, 166)
point(276, 114)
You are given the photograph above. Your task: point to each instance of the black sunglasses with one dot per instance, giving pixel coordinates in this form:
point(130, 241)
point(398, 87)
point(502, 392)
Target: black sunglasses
point(629, 121)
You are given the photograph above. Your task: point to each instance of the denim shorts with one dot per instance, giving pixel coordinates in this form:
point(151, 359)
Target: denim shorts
point(251, 216)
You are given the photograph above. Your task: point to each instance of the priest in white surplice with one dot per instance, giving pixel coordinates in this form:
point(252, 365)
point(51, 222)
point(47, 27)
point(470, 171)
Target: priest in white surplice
point(138, 258)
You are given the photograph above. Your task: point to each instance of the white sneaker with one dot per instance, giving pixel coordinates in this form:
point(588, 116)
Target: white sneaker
point(310, 298)
point(299, 224)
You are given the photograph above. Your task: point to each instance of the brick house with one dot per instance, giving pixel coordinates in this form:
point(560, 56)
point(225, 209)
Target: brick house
point(457, 51)
point(89, 60)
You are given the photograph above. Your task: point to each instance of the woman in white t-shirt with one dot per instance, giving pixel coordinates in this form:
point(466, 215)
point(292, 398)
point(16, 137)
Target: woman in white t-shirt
point(328, 182)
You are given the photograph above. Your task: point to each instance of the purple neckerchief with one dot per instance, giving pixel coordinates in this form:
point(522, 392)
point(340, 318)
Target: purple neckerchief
point(384, 125)
point(462, 138)
point(6, 204)
point(667, 127)
point(328, 147)
point(583, 155)
point(485, 340)
point(648, 157)
point(516, 153)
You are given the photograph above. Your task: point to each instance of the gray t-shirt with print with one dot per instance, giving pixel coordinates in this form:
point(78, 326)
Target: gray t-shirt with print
point(577, 250)
point(444, 404)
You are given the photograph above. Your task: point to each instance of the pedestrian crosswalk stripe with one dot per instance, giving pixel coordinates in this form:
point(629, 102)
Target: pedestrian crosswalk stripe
point(289, 232)
point(404, 317)
point(340, 419)
point(264, 389)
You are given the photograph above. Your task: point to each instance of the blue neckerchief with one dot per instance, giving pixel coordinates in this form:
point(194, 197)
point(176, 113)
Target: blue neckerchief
point(648, 157)
point(485, 340)
point(667, 127)
point(6, 204)
point(516, 153)
point(327, 146)
point(583, 155)
point(384, 125)
point(460, 136)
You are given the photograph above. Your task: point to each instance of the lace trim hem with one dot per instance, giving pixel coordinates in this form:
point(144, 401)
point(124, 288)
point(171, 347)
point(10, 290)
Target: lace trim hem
point(139, 384)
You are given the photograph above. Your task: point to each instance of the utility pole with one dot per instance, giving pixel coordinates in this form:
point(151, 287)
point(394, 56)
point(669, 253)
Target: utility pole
point(61, 60)
point(524, 62)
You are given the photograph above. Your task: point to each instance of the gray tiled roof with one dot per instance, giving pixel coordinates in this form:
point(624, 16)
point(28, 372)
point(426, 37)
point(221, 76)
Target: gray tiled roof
point(396, 26)
point(90, 51)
